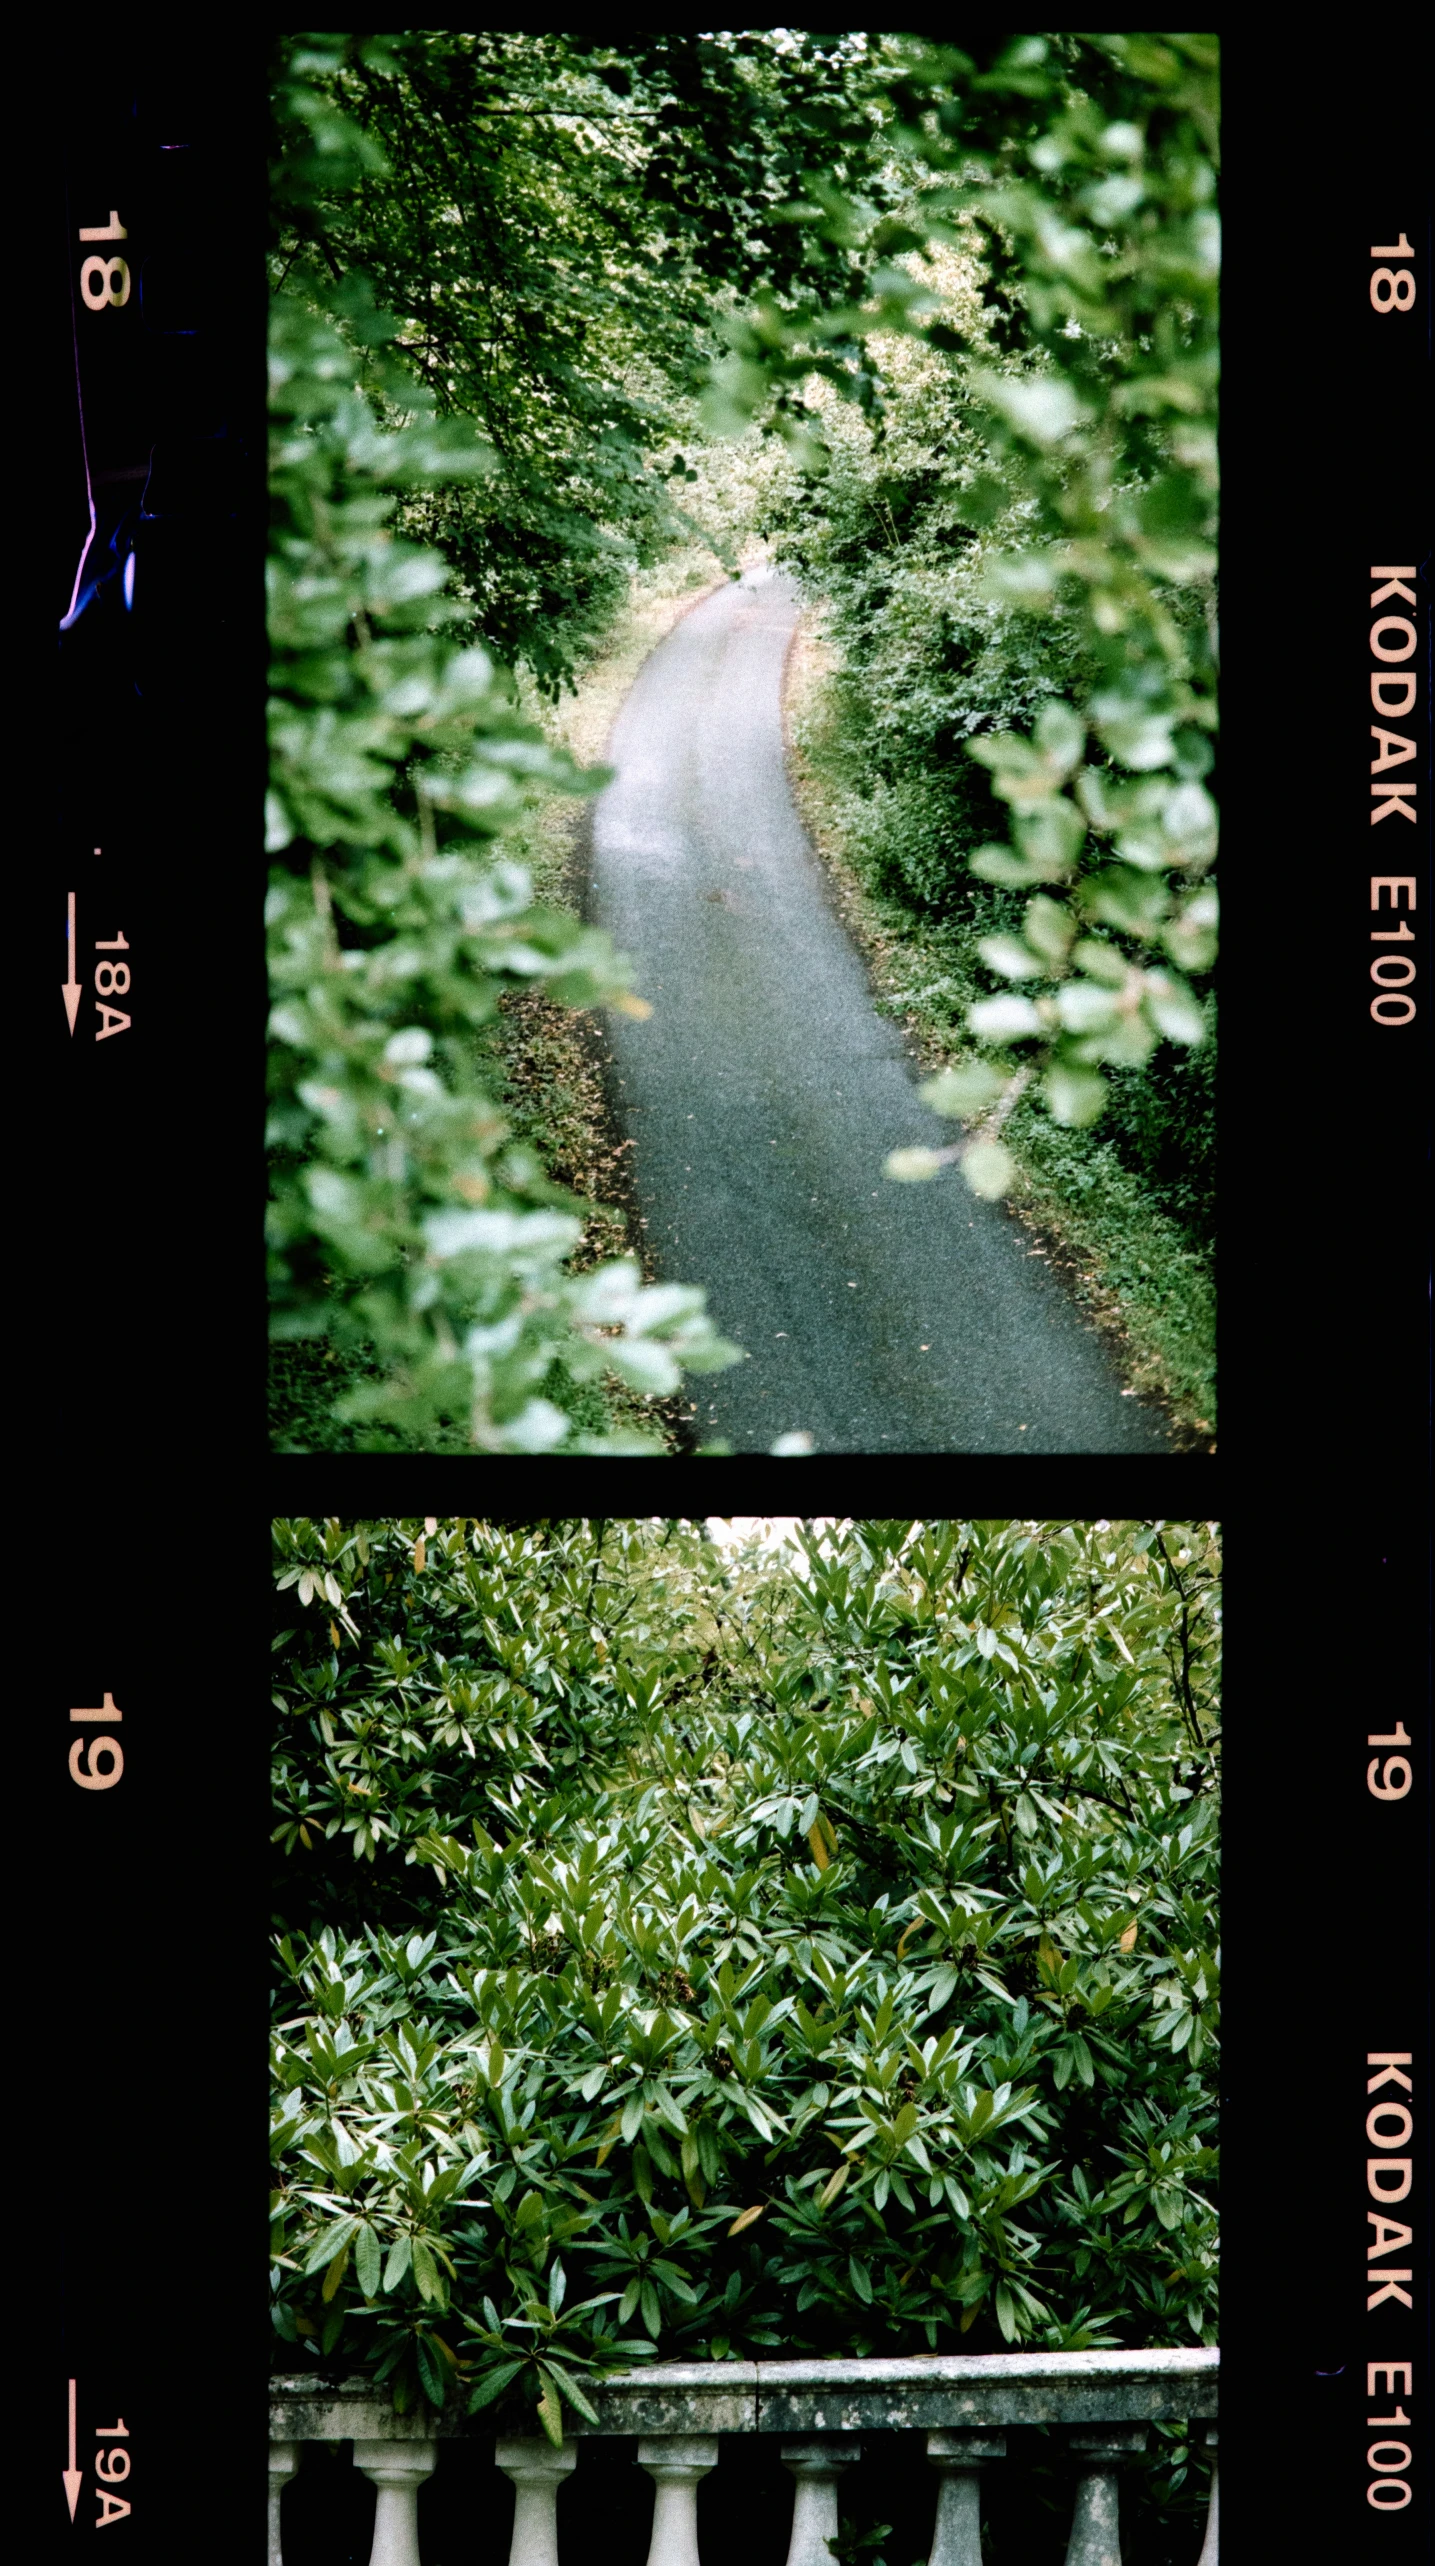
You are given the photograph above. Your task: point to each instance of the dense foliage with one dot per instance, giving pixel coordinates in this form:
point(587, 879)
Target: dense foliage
point(549, 219)
point(930, 659)
point(1058, 463)
point(501, 265)
point(686, 1950)
point(404, 1219)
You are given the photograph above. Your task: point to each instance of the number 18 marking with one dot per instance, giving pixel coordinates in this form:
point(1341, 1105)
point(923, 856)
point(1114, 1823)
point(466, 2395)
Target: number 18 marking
point(104, 281)
point(1392, 289)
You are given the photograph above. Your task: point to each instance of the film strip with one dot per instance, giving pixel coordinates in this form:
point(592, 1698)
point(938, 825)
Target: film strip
point(152, 1033)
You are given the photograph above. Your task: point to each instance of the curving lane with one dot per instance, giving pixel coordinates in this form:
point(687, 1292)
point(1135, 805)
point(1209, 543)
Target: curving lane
point(764, 1092)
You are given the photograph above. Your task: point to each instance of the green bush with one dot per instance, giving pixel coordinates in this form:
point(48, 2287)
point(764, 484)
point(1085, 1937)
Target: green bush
point(700, 1958)
point(928, 662)
point(1071, 488)
point(409, 1232)
point(929, 658)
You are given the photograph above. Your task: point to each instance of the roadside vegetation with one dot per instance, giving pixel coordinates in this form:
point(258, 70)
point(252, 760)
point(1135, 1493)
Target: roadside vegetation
point(542, 1062)
point(939, 336)
point(714, 1949)
point(1124, 1213)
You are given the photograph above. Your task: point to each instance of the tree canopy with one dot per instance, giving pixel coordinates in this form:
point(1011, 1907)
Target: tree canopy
point(553, 223)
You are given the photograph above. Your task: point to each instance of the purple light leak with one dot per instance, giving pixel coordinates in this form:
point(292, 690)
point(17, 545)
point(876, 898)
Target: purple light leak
point(68, 618)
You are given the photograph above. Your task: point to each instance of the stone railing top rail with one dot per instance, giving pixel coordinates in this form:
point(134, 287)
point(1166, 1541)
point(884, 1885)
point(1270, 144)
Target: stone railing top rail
point(934, 2390)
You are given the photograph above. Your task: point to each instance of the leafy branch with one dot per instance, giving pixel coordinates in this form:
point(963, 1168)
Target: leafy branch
point(405, 1221)
point(1085, 168)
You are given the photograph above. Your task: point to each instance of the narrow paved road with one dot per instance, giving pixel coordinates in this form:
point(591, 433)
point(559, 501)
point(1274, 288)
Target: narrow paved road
point(764, 1092)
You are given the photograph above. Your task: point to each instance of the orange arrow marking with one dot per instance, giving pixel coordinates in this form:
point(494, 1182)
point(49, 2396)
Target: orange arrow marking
point(71, 990)
point(73, 2476)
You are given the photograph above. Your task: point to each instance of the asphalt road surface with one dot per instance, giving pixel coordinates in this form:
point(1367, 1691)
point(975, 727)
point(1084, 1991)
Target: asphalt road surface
point(764, 1092)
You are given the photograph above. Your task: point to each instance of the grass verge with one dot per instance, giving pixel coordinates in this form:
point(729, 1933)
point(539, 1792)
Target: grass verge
point(1136, 1272)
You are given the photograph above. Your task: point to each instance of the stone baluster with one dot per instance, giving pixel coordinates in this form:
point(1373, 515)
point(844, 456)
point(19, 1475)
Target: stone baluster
point(283, 2460)
point(957, 2535)
point(537, 2470)
point(398, 2469)
point(816, 2465)
point(1095, 2532)
point(676, 2462)
point(1210, 2548)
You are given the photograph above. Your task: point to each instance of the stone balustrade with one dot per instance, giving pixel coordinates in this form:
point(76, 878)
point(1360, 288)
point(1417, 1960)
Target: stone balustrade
point(1100, 2403)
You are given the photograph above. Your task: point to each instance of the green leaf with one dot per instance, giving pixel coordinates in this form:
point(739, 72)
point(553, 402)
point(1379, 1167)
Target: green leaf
point(1139, 738)
point(1049, 833)
point(966, 1089)
point(491, 2384)
point(1015, 872)
point(1060, 735)
point(1049, 928)
point(1003, 1019)
point(1042, 411)
point(1085, 1007)
point(1102, 961)
point(1075, 1096)
point(989, 1169)
point(1172, 1007)
point(912, 1166)
point(572, 2389)
point(1008, 955)
point(1191, 938)
point(550, 2407)
point(333, 2242)
point(430, 2370)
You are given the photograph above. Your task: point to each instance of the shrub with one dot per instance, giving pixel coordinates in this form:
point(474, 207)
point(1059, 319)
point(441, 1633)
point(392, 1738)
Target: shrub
point(406, 1224)
point(1071, 181)
point(731, 1960)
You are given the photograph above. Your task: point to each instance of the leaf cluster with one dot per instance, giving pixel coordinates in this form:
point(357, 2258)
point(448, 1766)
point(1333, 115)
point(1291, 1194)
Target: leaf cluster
point(404, 1218)
point(736, 1954)
point(549, 218)
point(1076, 175)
